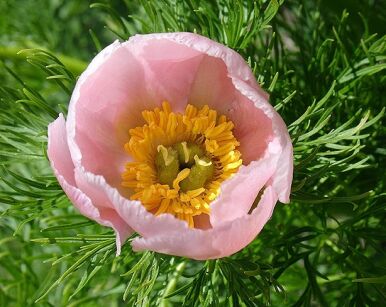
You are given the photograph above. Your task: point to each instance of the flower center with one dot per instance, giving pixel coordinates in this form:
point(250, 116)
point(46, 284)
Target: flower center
point(180, 160)
point(183, 166)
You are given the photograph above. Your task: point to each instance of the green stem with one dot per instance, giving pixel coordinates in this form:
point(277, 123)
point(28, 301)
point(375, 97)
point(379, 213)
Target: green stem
point(172, 284)
point(74, 65)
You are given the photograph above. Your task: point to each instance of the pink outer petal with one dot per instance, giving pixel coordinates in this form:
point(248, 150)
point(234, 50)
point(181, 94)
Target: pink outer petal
point(132, 212)
point(235, 63)
point(214, 85)
point(282, 177)
point(170, 68)
point(239, 192)
point(218, 242)
point(94, 137)
point(166, 234)
point(61, 163)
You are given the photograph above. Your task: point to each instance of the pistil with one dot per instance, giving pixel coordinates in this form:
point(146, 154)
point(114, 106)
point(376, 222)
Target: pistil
point(187, 152)
point(186, 158)
point(167, 164)
point(200, 173)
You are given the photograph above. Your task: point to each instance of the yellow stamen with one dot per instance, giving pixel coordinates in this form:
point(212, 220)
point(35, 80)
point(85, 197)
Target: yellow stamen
point(195, 193)
point(165, 148)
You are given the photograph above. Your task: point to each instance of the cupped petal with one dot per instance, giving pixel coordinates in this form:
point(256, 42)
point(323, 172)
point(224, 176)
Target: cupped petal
point(236, 65)
point(214, 84)
point(57, 150)
point(109, 94)
point(218, 242)
point(282, 178)
point(166, 234)
point(240, 191)
point(131, 211)
point(170, 67)
point(60, 159)
point(210, 83)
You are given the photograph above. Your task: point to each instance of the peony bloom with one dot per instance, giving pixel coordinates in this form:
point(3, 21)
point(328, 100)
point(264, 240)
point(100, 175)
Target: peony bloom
point(170, 136)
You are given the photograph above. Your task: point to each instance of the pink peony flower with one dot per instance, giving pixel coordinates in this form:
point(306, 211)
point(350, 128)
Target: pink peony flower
point(156, 133)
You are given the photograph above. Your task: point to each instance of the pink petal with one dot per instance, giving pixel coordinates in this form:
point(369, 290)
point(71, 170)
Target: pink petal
point(170, 67)
point(57, 150)
point(236, 65)
point(239, 192)
point(61, 163)
point(282, 178)
point(218, 242)
point(164, 233)
point(214, 87)
point(214, 84)
point(253, 128)
point(100, 109)
point(132, 212)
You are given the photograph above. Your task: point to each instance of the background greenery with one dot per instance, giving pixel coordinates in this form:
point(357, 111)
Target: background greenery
point(323, 63)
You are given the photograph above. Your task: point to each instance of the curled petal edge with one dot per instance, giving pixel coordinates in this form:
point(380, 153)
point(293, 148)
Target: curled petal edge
point(166, 234)
point(60, 160)
point(221, 241)
point(282, 178)
point(101, 57)
point(239, 192)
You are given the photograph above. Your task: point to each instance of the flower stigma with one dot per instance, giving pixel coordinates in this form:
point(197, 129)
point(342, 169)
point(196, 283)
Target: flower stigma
point(179, 160)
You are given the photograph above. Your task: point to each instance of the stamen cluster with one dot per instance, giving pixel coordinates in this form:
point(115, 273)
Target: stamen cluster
point(180, 160)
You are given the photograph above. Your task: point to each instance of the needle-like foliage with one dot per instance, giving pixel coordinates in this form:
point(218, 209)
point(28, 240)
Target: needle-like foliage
point(323, 63)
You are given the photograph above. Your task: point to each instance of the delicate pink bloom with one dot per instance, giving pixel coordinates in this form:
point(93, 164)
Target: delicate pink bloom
point(88, 157)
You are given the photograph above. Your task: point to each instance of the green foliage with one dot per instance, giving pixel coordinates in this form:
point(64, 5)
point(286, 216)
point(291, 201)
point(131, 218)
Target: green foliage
point(323, 63)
